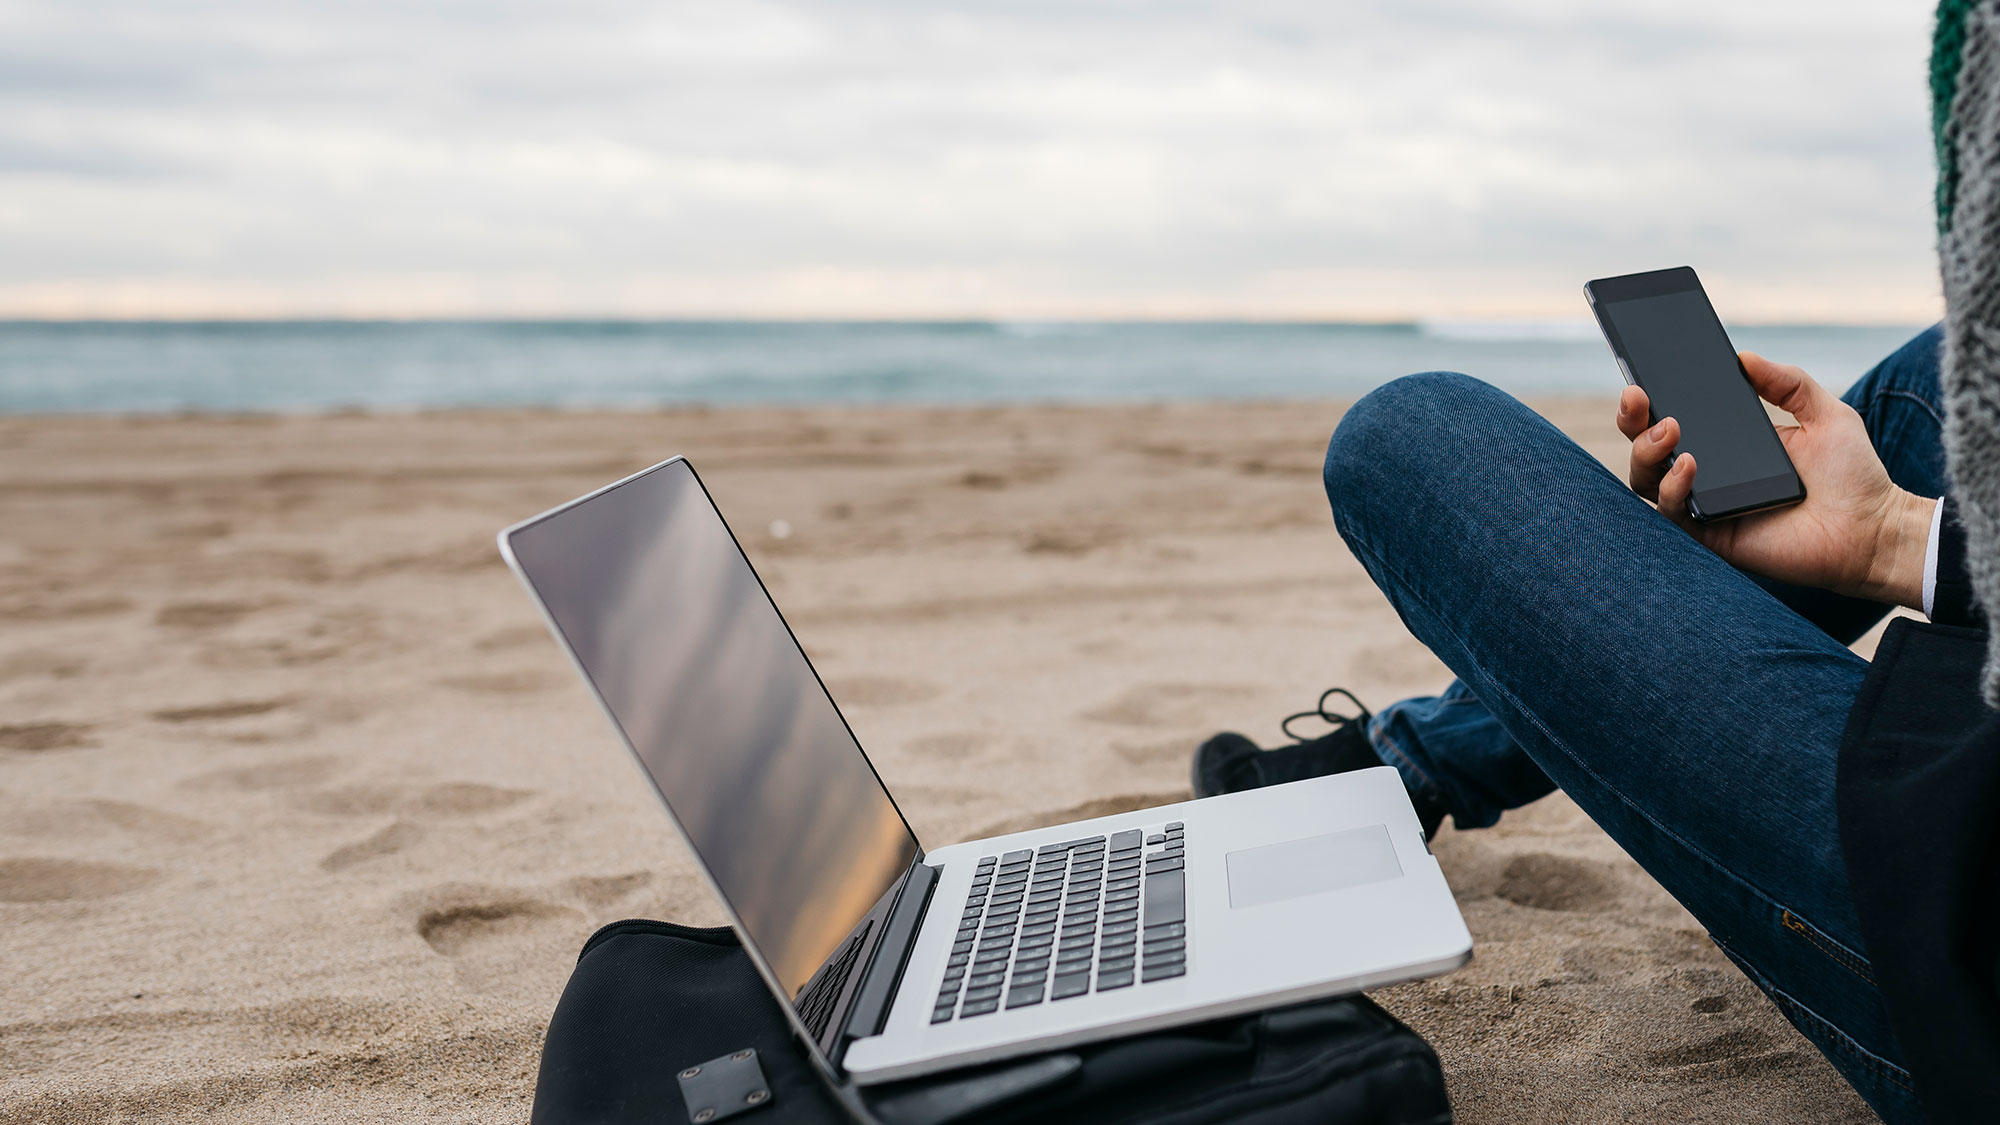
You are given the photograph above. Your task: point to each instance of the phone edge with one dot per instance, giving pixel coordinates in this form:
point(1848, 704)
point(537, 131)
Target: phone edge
point(1611, 343)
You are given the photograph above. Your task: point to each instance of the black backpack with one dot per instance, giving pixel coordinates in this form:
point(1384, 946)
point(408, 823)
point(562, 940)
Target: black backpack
point(662, 1024)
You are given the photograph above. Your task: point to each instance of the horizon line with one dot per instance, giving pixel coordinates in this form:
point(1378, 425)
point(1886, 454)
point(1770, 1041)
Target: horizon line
point(933, 321)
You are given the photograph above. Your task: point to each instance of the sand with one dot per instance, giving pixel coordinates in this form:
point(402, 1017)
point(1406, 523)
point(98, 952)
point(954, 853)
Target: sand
point(303, 817)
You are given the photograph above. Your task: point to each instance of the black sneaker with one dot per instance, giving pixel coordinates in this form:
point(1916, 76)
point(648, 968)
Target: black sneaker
point(1231, 763)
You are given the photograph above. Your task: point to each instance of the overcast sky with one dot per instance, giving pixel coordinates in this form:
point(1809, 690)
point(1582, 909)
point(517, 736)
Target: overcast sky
point(1014, 158)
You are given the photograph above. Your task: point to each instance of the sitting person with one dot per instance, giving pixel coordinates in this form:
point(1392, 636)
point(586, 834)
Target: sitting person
point(1831, 822)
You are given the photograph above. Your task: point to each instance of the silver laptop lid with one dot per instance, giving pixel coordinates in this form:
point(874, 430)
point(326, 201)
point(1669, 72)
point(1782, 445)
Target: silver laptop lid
point(646, 587)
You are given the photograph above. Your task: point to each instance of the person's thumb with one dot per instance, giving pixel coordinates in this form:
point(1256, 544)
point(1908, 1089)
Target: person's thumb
point(1786, 387)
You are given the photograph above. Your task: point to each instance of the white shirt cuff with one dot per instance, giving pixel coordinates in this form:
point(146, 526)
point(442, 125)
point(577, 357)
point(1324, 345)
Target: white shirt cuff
point(1930, 559)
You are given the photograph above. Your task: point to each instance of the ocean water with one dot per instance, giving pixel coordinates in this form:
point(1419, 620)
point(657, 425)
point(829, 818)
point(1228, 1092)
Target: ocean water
point(314, 365)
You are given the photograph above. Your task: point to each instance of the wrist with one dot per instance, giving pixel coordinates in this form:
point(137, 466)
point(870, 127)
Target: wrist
point(1896, 566)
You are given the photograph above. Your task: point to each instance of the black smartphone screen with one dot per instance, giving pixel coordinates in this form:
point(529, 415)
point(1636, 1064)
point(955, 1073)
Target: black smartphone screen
point(1669, 341)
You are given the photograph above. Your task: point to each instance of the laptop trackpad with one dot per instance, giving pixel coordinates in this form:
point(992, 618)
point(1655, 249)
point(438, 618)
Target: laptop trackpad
point(1314, 865)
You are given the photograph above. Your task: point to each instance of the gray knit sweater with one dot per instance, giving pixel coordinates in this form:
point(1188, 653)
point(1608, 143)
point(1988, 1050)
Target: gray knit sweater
point(1966, 91)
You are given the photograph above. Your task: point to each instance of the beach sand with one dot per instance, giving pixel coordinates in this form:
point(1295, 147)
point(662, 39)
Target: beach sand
point(303, 817)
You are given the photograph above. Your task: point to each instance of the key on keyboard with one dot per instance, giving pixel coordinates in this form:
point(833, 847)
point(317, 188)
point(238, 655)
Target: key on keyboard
point(1036, 923)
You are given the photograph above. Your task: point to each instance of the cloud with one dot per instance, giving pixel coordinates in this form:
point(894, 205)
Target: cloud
point(1006, 158)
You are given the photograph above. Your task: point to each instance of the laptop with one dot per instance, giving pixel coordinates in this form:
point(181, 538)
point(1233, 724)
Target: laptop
point(892, 960)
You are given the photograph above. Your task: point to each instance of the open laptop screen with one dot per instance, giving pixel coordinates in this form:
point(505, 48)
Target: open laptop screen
point(675, 632)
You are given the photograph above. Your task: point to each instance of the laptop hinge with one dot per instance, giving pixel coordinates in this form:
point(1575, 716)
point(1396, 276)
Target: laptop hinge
point(870, 1008)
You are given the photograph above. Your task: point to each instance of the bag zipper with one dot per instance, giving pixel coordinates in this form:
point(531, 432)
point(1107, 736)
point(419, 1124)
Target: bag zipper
point(709, 935)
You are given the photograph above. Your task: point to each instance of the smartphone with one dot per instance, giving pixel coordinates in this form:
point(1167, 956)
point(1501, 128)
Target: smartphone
point(1668, 340)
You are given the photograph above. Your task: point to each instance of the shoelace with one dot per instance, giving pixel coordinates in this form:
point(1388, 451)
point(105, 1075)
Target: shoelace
point(1333, 719)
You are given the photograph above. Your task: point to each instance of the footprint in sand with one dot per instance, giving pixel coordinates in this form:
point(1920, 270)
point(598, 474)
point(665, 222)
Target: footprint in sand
point(452, 798)
point(1744, 1046)
point(502, 683)
point(464, 798)
point(457, 798)
point(31, 879)
point(336, 1039)
point(96, 819)
point(44, 736)
point(137, 819)
point(880, 691)
point(295, 773)
point(387, 842)
point(1068, 541)
point(1553, 882)
point(195, 532)
point(203, 615)
point(350, 800)
point(469, 922)
point(43, 609)
point(236, 709)
point(517, 636)
point(344, 632)
point(1169, 705)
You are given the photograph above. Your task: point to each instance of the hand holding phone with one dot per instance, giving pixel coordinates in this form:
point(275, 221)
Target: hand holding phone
point(1668, 341)
point(1856, 532)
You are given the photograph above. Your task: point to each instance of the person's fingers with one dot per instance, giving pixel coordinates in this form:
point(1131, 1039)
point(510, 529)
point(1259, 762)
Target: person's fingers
point(1650, 451)
point(1633, 408)
point(1788, 388)
point(1675, 488)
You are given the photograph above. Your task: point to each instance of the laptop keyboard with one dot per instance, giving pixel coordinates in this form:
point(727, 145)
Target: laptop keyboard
point(1055, 923)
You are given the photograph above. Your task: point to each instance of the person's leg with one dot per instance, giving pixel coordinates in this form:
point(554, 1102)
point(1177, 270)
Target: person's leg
point(1687, 711)
point(1451, 749)
point(1456, 756)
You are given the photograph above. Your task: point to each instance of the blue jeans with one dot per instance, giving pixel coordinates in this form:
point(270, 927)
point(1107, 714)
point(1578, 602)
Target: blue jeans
point(1691, 710)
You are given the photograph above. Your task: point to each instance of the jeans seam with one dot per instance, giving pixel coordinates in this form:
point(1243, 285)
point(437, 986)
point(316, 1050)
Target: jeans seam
point(1920, 400)
point(1861, 1056)
point(1564, 748)
point(1795, 1010)
point(1834, 951)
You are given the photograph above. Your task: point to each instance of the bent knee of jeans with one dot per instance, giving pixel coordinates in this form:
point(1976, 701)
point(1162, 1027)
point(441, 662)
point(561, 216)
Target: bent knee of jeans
point(1909, 370)
point(1397, 430)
